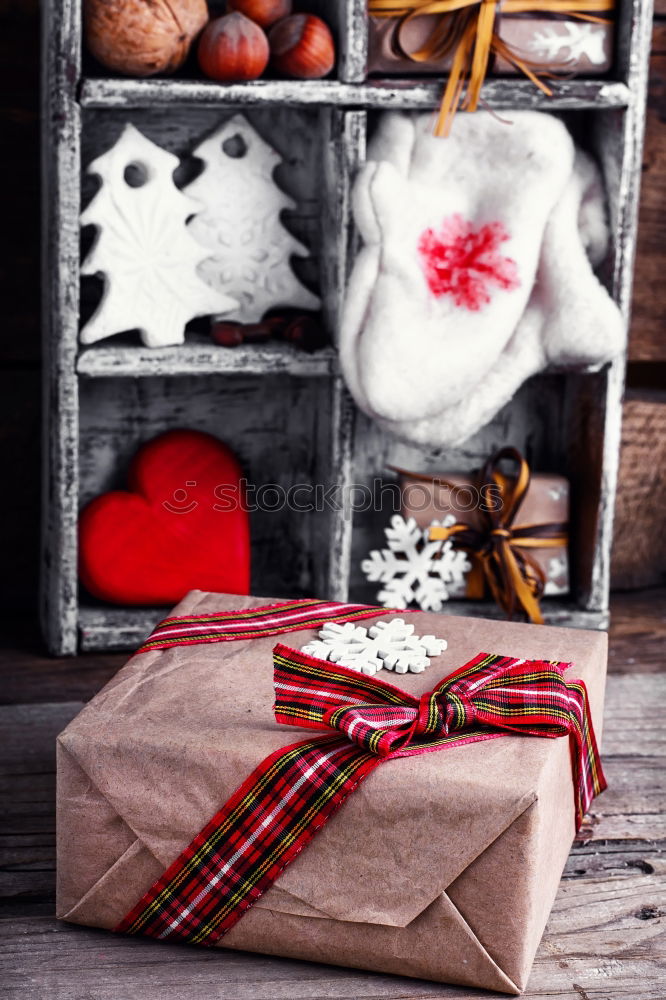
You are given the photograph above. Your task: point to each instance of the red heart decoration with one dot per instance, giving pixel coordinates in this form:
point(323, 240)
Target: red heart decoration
point(182, 527)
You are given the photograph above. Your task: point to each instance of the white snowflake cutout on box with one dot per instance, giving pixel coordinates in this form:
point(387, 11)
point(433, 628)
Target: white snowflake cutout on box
point(577, 40)
point(414, 569)
point(390, 644)
point(144, 251)
point(557, 577)
point(249, 249)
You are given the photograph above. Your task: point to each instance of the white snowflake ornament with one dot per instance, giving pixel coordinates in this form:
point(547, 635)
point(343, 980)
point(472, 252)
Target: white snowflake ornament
point(249, 249)
point(414, 569)
point(570, 41)
point(390, 644)
point(144, 251)
point(557, 576)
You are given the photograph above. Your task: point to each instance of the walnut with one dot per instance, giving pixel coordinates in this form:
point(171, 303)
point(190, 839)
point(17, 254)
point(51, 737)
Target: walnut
point(142, 37)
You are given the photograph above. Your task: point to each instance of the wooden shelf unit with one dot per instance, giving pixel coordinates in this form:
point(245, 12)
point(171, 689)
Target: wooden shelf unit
point(287, 413)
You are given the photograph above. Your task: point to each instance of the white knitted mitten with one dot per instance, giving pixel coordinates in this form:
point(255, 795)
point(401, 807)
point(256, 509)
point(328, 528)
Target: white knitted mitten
point(444, 318)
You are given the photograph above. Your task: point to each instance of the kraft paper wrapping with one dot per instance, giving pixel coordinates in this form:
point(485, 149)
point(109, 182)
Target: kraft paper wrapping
point(545, 502)
point(442, 866)
point(573, 46)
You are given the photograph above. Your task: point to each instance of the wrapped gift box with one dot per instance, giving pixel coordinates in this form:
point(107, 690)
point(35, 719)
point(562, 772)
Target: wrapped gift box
point(546, 502)
point(443, 867)
point(573, 46)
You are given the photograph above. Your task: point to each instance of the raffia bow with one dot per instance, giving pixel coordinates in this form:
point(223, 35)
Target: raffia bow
point(467, 30)
point(504, 562)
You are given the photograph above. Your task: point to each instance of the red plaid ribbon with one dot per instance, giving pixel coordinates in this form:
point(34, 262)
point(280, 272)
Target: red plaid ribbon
point(284, 802)
point(254, 623)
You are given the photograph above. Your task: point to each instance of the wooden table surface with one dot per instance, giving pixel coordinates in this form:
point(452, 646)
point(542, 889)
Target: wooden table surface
point(605, 938)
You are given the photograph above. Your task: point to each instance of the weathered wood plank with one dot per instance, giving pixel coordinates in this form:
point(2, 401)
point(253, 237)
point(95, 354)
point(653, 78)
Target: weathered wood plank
point(635, 711)
point(61, 57)
point(604, 940)
point(619, 147)
point(199, 356)
point(355, 57)
point(639, 545)
point(29, 675)
point(29, 733)
point(407, 94)
point(647, 341)
point(344, 147)
point(638, 632)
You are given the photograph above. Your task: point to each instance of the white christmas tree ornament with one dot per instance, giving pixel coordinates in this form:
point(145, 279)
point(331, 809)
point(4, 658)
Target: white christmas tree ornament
point(144, 251)
point(390, 644)
point(413, 568)
point(248, 248)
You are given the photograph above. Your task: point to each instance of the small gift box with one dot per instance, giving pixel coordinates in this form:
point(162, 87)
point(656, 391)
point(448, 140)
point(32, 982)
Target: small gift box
point(547, 42)
point(187, 809)
point(516, 521)
point(465, 41)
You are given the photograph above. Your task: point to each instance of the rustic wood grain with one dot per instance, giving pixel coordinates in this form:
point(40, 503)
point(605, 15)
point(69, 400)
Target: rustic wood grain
point(648, 338)
point(61, 197)
point(638, 632)
point(29, 675)
point(200, 356)
point(604, 940)
point(639, 545)
point(72, 963)
point(423, 95)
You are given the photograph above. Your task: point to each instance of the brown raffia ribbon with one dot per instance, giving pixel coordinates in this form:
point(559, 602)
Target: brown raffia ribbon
point(467, 30)
point(503, 559)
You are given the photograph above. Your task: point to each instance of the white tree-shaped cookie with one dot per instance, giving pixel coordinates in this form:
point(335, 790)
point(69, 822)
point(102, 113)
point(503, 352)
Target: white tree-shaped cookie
point(144, 251)
point(249, 249)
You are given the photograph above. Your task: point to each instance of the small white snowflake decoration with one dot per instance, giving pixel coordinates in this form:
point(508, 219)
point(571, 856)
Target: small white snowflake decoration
point(569, 41)
point(414, 569)
point(391, 644)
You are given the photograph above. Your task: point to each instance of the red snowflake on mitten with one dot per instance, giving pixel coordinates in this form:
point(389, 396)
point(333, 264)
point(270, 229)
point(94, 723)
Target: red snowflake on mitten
point(461, 261)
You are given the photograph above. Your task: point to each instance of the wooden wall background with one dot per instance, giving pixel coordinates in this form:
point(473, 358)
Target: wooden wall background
point(640, 545)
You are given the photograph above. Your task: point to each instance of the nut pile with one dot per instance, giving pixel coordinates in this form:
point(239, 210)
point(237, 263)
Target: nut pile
point(141, 39)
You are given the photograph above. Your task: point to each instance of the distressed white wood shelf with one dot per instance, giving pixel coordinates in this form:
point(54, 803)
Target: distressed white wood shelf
point(379, 94)
point(125, 628)
point(286, 413)
point(199, 356)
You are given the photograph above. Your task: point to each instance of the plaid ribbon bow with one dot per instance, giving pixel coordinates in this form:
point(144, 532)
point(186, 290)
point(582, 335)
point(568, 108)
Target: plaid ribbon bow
point(279, 808)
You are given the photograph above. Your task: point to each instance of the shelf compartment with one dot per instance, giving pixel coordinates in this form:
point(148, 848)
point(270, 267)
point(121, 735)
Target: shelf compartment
point(199, 356)
point(294, 134)
point(385, 94)
point(277, 426)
